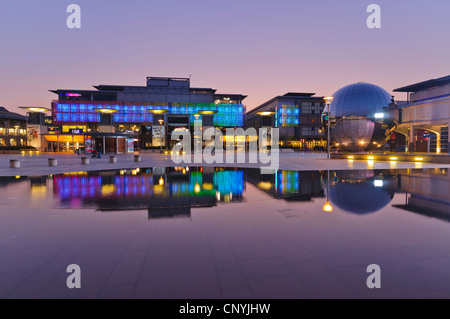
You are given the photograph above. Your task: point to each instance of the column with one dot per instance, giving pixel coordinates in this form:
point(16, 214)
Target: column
point(411, 139)
point(117, 145)
point(57, 141)
point(104, 146)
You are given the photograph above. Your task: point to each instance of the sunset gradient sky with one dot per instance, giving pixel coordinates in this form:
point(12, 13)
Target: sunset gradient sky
point(255, 47)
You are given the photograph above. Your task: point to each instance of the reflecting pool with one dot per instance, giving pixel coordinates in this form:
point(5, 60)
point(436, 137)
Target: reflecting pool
point(204, 232)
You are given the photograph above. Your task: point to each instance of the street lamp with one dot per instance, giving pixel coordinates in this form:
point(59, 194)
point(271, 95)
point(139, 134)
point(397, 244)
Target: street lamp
point(328, 100)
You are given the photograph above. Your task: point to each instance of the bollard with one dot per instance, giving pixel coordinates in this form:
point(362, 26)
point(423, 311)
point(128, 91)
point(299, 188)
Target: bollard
point(14, 163)
point(52, 162)
point(113, 159)
point(137, 158)
point(84, 160)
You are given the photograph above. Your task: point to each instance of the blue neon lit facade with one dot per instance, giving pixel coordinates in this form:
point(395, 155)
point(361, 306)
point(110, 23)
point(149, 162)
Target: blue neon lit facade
point(83, 112)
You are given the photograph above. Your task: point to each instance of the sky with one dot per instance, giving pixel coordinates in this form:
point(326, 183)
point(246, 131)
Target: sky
point(257, 48)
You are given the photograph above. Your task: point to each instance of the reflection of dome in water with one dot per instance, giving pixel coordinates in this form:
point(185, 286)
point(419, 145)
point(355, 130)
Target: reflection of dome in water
point(362, 118)
point(362, 194)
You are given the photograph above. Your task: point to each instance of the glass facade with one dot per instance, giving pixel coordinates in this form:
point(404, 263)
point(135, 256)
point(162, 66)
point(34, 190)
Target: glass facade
point(288, 115)
point(83, 112)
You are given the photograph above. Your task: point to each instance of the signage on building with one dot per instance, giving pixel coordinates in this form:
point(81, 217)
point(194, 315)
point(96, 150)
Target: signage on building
point(76, 131)
point(88, 144)
point(33, 135)
point(130, 145)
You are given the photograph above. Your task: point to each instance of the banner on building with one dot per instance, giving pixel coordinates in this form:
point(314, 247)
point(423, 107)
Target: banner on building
point(130, 145)
point(34, 136)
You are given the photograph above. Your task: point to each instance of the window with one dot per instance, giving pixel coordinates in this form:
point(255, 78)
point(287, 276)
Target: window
point(12, 142)
point(2, 142)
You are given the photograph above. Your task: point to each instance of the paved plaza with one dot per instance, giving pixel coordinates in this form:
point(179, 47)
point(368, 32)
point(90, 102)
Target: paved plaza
point(38, 164)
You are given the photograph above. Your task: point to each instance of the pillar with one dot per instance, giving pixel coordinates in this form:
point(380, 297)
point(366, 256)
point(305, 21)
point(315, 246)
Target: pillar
point(411, 139)
point(117, 145)
point(57, 141)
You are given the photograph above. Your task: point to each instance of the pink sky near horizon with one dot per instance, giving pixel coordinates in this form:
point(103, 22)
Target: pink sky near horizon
point(257, 48)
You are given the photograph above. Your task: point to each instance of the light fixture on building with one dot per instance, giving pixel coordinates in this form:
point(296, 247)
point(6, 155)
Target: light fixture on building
point(36, 109)
point(265, 113)
point(327, 207)
point(158, 111)
point(379, 115)
point(106, 110)
point(196, 116)
point(207, 112)
point(197, 188)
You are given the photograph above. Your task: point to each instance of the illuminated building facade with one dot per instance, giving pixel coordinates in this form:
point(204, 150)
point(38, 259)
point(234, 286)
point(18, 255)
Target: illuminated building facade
point(149, 113)
point(13, 129)
point(298, 117)
point(425, 118)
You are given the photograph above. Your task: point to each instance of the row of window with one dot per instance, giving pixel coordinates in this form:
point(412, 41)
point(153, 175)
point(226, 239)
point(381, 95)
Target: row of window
point(312, 131)
point(12, 142)
point(12, 131)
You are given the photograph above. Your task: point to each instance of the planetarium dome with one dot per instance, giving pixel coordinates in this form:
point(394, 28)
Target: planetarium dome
point(360, 117)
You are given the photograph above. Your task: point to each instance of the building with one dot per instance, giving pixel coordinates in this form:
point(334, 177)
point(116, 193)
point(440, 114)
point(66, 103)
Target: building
point(13, 129)
point(146, 114)
point(298, 117)
point(424, 119)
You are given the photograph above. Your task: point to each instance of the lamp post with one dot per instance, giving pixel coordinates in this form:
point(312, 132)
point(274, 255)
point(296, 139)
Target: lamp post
point(328, 100)
point(161, 121)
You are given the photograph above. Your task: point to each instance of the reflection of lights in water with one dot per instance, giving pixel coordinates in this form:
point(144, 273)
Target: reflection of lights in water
point(418, 165)
point(184, 171)
point(161, 181)
point(108, 189)
point(17, 176)
point(122, 172)
point(38, 191)
point(370, 163)
point(218, 196)
point(327, 207)
point(133, 172)
point(187, 168)
point(197, 188)
point(378, 183)
point(208, 186)
point(138, 170)
point(158, 189)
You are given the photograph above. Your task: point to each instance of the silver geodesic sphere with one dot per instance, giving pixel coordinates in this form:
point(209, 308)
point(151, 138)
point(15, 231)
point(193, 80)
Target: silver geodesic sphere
point(360, 117)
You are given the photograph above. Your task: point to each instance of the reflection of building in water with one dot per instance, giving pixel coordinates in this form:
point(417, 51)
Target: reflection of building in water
point(428, 192)
point(362, 192)
point(175, 190)
point(289, 185)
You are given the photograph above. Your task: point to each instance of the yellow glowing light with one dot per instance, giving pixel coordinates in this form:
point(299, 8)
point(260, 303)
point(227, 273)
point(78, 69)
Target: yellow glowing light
point(108, 189)
point(184, 171)
point(17, 176)
point(197, 188)
point(418, 159)
point(206, 112)
point(266, 113)
point(371, 157)
point(37, 109)
point(370, 162)
point(106, 111)
point(393, 158)
point(328, 99)
point(350, 157)
point(438, 150)
point(158, 111)
point(362, 142)
point(161, 181)
point(187, 168)
point(327, 207)
point(208, 186)
point(265, 185)
point(138, 170)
